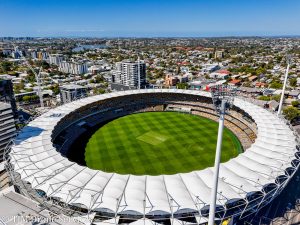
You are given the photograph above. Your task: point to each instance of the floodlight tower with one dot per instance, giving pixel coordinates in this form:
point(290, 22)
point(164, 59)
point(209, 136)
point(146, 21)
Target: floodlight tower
point(38, 80)
point(37, 77)
point(288, 60)
point(222, 96)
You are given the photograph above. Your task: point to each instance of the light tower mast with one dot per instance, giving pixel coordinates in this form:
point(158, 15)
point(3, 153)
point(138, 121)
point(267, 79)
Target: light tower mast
point(222, 96)
point(37, 77)
point(288, 59)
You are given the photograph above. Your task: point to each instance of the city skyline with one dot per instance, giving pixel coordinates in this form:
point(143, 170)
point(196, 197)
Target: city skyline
point(149, 18)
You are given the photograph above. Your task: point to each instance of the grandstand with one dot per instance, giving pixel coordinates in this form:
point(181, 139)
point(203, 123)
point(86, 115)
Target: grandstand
point(40, 170)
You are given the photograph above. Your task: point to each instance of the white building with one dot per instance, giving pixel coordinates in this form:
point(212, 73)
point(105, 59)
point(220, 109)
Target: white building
point(73, 67)
point(219, 54)
point(209, 68)
point(34, 54)
point(56, 59)
point(220, 75)
point(127, 73)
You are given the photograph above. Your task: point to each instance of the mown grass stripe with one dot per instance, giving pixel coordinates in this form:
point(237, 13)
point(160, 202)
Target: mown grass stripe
point(174, 143)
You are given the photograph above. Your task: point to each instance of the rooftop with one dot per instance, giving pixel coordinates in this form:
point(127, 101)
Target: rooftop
point(17, 209)
point(72, 86)
point(4, 106)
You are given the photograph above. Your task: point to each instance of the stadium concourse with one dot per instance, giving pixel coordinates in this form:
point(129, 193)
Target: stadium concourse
point(246, 183)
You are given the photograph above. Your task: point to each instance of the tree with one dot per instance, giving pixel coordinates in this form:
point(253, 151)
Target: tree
point(182, 86)
point(293, 82)
point(276, 98)
point(295, 103)
point(261, 70)
point(276, 85)
point(99, 79)
point(279, 58)
point(34, 98)
point(30, 77)
point(264, 98)
point(55, 89)
point(98, 91)
point(290, 113)
point(6, 66)
point(30, 98)
point(159, 74)
point(26, 98)
point(247, 84)
point(101, 91)
point(44, 65)
point(19, 87)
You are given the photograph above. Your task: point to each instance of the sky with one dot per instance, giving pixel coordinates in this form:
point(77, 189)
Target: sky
point(149, 18)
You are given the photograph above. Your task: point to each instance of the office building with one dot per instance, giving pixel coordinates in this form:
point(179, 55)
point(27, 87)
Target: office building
point(7, 94)
point(16, 54)
point(42, 55)
point(219, 54)
point(71, 92)
point(34, 54)
point(171, 80)
point(7, 127)
point(127, 73)
point(56, 59)
point(73, 67)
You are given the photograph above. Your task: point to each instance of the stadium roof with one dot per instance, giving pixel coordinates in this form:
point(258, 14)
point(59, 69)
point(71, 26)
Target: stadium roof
point(39, 163)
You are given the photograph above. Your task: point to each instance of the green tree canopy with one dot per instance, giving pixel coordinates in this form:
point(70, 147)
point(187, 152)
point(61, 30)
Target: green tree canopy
point(99, 79)
point(182, 86)
point(276, 98)
point(264, 98)
point(293, 82)
point(55, 89)
point(44, 64)
point(30, 98)
point(98, 91)
point(276, 85)
point(6, 66)
point(290, 113)
point(295, 103)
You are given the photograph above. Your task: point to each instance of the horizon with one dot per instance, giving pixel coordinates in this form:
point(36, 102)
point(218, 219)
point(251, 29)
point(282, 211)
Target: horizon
point(154, 18)
point(158, 37)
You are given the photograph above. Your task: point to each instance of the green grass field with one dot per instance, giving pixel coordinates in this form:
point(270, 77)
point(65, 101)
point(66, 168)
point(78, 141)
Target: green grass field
point(156, 143)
